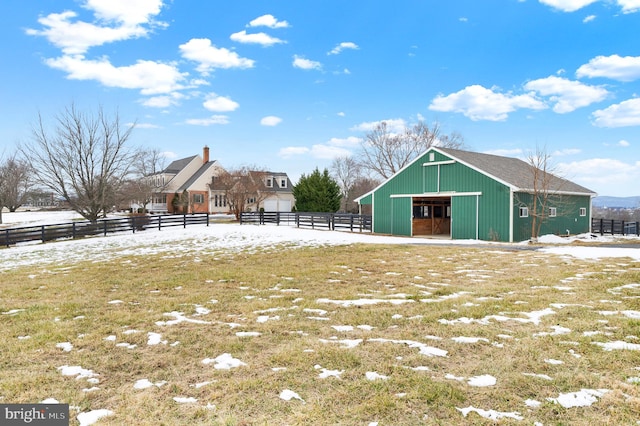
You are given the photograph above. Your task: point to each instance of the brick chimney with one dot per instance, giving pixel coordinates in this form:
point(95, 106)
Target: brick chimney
point(205, 154)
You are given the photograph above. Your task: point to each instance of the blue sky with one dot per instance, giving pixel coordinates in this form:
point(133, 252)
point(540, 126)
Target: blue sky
point(288, 85)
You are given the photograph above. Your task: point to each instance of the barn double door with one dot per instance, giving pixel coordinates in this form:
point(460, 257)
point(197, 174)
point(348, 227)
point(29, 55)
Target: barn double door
point(431, 216)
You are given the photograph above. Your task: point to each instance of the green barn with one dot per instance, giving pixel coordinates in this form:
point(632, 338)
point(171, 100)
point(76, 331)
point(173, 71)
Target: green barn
point(467, 195)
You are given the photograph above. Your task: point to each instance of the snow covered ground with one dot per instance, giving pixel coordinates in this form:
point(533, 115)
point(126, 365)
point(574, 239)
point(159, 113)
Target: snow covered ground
point(232, 236)
point(229, 237)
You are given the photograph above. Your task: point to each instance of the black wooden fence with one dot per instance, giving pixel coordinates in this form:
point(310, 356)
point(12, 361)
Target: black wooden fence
point(611, 226)
point(77, 229)
point(330, 221)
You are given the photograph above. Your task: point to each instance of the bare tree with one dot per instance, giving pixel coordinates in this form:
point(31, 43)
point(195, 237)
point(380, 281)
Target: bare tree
point(345, 171)
point(242, 187)
point(83, 160)
point(16, 180)
point(140, 187)
point(384, 153)
point(546, 190)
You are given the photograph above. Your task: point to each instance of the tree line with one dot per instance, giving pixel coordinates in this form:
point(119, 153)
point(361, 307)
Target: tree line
point(85, 160)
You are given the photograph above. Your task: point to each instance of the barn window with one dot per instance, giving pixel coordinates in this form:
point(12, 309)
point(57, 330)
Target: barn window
point(583, 211)
point(524, 212)
point(552, 212)
point(421, 212)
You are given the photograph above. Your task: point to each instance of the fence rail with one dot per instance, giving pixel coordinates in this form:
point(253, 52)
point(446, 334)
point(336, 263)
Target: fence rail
point(611, 226)
point(330, 221)
point(78, 229)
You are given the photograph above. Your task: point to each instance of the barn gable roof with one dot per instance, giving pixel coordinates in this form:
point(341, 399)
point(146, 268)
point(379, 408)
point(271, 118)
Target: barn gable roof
point(514, 172)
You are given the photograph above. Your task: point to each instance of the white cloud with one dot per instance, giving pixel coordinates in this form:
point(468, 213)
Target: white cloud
point(129, 12)
point(328, 152)
point(625, 113)
point(257, 38)
point(149, 77)
point(616, 67)
point(629, 6)
point(306, 64)
point(341, 114)
point(567, 95)
point(566, 151)
point(268, 21)
point(394, 125)
point(270, 120)
point(208, 56)
point(119, 19)
point(589, 18)
point(292, 151)
point(347, 142)
point(623, 143)
point(342, 46)
point(567, 5)
point(214, 119)
point(480, 103)
point(217, 103)
point(160, 101)
point(335, 147)
point(146, 126)
point(598, 173)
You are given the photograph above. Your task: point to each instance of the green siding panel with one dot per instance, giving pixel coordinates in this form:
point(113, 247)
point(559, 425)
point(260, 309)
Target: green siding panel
point(463, 221)
point(567, 220)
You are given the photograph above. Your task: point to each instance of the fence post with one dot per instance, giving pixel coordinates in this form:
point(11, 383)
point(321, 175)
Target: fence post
point(637, 229)
point(184, 220)
point(6, 237)
point(207, 218)
point(42, 233)
point(159, 222)
point(133, 224)
point(73, 230)
point(104, 227)
point(613, 224)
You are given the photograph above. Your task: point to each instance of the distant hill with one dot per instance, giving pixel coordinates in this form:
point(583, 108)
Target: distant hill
point(617, 202)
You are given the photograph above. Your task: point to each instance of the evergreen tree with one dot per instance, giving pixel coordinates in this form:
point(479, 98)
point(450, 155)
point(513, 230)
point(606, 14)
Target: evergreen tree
point(318, 192)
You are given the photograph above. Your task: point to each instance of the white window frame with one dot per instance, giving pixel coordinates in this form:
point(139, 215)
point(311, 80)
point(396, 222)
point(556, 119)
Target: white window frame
point(524, 211)
point(198, 198)
point(583, 211)
point(283, 183)
point(269, 183)
point(553, 212)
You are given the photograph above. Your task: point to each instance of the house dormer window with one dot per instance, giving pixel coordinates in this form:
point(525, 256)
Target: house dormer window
point(283, 183)
point(269, 183)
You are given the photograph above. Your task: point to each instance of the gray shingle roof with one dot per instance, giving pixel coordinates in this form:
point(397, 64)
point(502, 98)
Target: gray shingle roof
point(513, 171)
point(178, 165)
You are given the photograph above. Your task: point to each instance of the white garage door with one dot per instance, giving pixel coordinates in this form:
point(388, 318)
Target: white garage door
point(277, 205)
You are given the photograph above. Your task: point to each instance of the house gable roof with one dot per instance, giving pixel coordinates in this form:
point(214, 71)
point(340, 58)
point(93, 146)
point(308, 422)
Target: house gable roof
point(194, 177)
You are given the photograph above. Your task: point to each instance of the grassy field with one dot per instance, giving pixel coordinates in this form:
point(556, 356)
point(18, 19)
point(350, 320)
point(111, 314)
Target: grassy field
point(358, 333)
